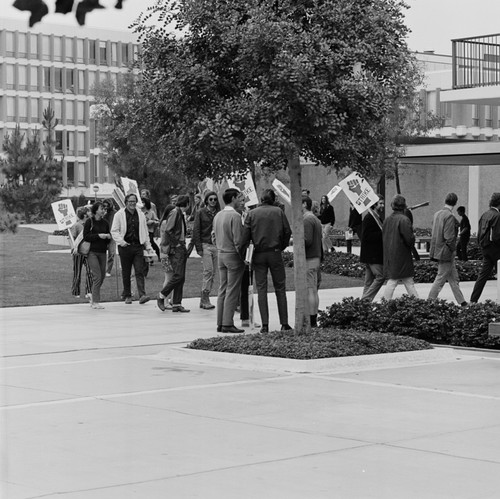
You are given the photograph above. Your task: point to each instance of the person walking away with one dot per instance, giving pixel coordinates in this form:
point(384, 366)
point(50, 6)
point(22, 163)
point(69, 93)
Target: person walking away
point(130, 233)
point(443, 248)
point(152, 223)
point(268, 228)
point(174, 242)
point(205, 247)
point(312, 242)
point(164, 256)
point(96, 232)
point(355, 223)
point(228, 231)
point(372, 250)
point(80, 261)
point(109, 207)
point(463, 234)
point(488, 237)
point(398, 239)
point(327, 219)
point(414, 251)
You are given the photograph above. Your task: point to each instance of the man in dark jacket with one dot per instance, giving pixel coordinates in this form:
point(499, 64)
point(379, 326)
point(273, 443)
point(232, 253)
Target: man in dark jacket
point(372, 250)
point(398, 239)
point(268, 228)
point(443, 246)
point(463, 234)
point(203, 242)
point(488, 237)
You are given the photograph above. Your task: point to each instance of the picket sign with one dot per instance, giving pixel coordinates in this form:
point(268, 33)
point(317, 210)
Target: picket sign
point(334, 192)
point(64, 213)
point(359, 192)
point(283, 191)
point(244, 183)
point(130, 187)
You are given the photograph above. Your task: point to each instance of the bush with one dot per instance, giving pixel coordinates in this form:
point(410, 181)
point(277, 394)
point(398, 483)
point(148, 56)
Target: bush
point(320, 343)
point(437, 321)
point(474, 251)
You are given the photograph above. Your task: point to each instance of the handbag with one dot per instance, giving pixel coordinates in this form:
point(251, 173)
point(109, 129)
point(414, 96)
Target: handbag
point(84, 248)
point(349, 235)
point(81, 247)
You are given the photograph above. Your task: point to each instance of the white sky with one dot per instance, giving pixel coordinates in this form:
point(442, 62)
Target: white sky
point(433, 22)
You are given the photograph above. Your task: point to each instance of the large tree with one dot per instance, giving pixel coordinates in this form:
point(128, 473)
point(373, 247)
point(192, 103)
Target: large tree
point(233, 83)
point(32, 179)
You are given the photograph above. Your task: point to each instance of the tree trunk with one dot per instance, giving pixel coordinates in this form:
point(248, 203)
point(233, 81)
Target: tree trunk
point(302, 321)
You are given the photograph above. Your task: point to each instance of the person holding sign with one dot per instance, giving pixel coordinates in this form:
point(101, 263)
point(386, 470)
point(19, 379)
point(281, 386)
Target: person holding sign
point(327, 219)
point(80, 261)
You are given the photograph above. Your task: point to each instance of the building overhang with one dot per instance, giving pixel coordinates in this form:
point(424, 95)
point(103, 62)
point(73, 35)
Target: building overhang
point(453, 153)
point(489, 96)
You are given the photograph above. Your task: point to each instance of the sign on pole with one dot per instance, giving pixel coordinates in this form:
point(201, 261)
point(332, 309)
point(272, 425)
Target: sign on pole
point(359, 192)
point(283, 191)
point(334, 192)
point(130, 187)
point(64, 214)
point(245, 184)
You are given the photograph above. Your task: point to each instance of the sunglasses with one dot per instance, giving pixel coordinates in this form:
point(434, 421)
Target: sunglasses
point(212, 199)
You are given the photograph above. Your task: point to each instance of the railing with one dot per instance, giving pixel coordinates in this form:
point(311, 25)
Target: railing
point(476, 61)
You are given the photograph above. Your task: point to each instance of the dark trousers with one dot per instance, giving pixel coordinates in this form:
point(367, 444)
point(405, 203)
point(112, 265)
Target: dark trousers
point(245, 282)
point(489, 263)
point(462, 248)
point(272, 261)
point(132, 256)
point(178, 259)
point(154, 245)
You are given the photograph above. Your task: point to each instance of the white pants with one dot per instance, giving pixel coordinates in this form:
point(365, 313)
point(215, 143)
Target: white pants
point(392, 283)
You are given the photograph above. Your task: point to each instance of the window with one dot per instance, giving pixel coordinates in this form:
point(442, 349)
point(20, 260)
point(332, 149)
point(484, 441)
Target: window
point(58, 109)
point(34, 103)
point(488, 122)
point(59, 141)
point(125, 58)
point(92, 76)
point(103, 54)
point(46, 79)
point(475, 115)
point(10, 79)
point(22, 77)
point(81, 175)
point(70, 81)
point(22, 45)
point(46, 47)
point(70, 172)
point(23, 108)
point(92, 52)
point(33, 78)
point(68, 50)
point(9, 44)
point(46, 103)
point(34, 46)
point(70, 143)
point(80, 113)
point(81, 81)
point(58, 83)
point(94, 136)
point(81, 143)
point(79, 50)
point(446, 113)
point(70, 115)
point(114, 54)
point(11, 108)
point(57, 48)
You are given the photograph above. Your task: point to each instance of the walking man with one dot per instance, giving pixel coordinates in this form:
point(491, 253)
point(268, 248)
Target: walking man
point(268, 228)
point(313, 246)
point(175, 238)
point(463, 234)
point(130, 233)
point(372, 250)
point(398, 240)
point(228, 231)
point(202, 239)
point(488, 237)
point(443, 248)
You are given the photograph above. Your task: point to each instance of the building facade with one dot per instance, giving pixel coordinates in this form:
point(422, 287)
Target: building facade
point(58, 66)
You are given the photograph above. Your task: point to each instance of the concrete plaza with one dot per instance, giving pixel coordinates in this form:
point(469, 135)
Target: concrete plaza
point(96, 405)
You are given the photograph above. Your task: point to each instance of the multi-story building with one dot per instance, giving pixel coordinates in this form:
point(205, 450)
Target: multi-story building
point(58, 66)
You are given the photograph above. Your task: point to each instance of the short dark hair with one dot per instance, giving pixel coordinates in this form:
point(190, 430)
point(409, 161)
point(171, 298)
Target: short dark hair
point(182, 201)
point(230, 194)
point(147, 203)
point(95, 207)
point(461, 209)
point(268, 197)
point(495, 200)
point(308, 201)
point(398, 202)
point(128, 196)
point(451, 199)
point(81, 211)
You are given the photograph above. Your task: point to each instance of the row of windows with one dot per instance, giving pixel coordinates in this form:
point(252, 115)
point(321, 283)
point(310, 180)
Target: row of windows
point(478, 115)
point(82, 174)
point(50, 79)
point(69, 49)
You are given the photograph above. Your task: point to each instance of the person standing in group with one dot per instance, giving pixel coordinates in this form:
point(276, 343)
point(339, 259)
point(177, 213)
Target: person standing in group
point(96, 232)
point(130, 233)
point(228, 231)
point(372, 250)
point(398, 240)
point(268, 228)
point(312, 242)
point(443, 247)
point(152, 223)
point(355, 224)
point(463, 234)
point(205, 247)
point(327, 219)
point(174, 242)
point(79, 261)
point(488, 237)
point(109, 216)
point(146, 194)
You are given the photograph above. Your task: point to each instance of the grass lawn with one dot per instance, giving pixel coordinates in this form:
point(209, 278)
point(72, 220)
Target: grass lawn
point(32, 277)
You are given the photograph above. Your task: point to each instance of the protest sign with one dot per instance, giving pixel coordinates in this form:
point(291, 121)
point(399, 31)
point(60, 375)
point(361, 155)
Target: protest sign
point(359, 192)
point(64, 214)
point(334, 192)
point(244, 183)
point(130, 187)
point(282, 190)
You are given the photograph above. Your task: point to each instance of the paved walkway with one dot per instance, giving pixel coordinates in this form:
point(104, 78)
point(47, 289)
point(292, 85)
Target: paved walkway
point(92, 407)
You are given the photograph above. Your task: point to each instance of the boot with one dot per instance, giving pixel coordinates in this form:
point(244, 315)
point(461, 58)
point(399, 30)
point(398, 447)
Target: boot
point(205, 301)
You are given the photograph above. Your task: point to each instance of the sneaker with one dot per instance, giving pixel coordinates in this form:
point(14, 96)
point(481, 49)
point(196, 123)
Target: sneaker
point(88, 296)
point(108, 274)
point(128, 300)
point(144, 299)
point(180, 308)
point(97, 306)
